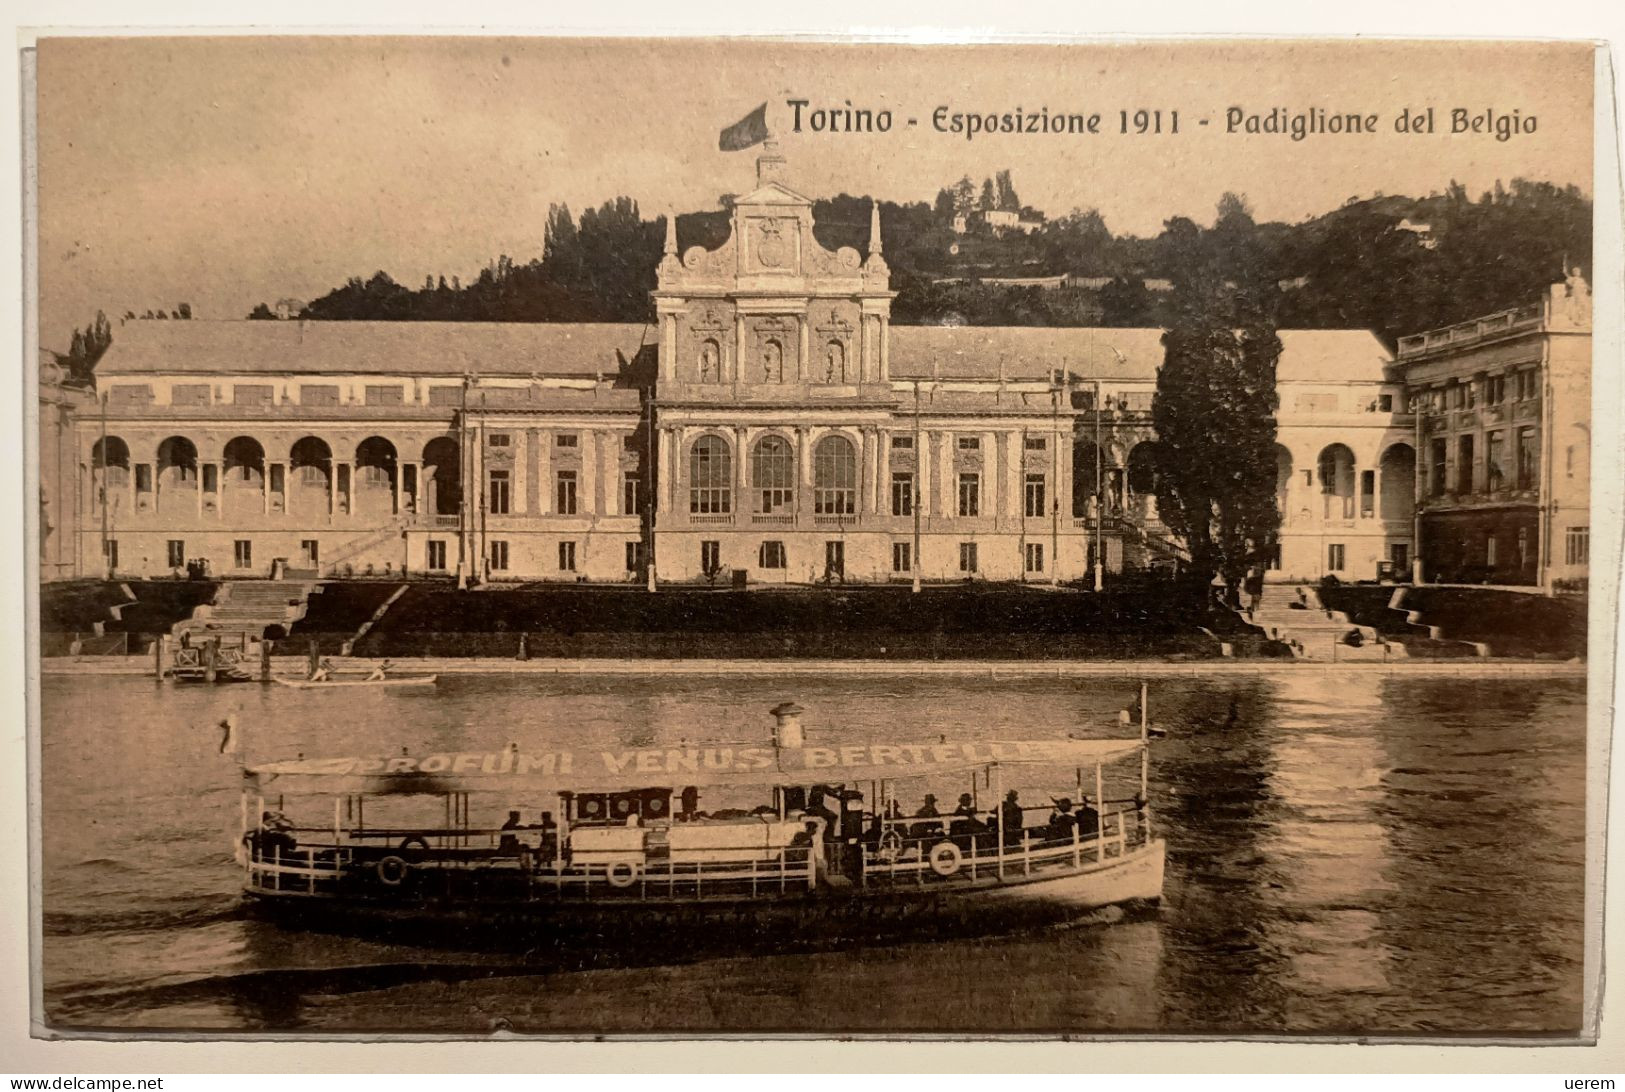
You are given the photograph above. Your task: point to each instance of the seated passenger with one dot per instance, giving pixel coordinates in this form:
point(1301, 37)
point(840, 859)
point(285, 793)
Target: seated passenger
point(1061, 822)
point(1088, 820)
point(323, 671)
point(509, 843)
point(816, 806)
point(967, 823)
point(928, 810)
point(274, 839)
point(379, 673)
point(1011, 820)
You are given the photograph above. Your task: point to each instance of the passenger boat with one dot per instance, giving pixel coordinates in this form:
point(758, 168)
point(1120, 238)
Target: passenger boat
point(327, 684)
point(612, 847)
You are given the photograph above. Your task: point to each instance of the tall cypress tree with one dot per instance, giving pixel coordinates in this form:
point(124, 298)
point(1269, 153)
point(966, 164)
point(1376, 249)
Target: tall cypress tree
point(1215, 404)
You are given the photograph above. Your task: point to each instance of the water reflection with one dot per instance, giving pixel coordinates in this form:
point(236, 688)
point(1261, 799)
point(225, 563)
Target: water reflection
point(1327, 768)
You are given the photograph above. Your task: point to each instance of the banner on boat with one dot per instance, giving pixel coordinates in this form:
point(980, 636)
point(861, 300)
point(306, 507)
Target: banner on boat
point(483, 771)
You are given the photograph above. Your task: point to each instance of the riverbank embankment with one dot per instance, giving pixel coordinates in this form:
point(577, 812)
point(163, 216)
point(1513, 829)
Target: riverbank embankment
point(295, 666)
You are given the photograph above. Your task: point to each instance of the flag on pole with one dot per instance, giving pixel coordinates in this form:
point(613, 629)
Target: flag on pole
point(747, 131)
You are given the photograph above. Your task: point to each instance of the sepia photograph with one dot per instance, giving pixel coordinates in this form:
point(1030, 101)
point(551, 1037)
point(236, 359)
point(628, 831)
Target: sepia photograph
point(761, 537)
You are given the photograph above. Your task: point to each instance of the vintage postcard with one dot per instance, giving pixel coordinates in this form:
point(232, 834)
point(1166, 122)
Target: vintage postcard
point(647, 537)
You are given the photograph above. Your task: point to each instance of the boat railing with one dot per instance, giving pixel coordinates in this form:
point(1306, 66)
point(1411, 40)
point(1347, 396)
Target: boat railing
point(677, 859)
point(911, 849)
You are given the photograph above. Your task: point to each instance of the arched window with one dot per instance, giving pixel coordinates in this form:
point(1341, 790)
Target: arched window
point(1336, 470)
point(1144, 474)
point(244, 459)
point(773, 474)
point(835, 477)
point(709, 471)
point(111, 458)
point(177, 458)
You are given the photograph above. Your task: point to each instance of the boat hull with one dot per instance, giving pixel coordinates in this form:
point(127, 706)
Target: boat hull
point(814, 915)
point(334, 684)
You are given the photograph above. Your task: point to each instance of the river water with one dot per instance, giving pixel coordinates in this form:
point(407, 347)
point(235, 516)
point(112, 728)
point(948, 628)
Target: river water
point(1347, 854)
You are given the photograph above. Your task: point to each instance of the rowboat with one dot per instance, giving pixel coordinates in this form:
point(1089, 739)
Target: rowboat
point(612, 847)
point(326, 684)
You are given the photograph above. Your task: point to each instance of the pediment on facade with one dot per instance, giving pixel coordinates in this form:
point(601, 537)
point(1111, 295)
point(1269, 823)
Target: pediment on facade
point(773, 193)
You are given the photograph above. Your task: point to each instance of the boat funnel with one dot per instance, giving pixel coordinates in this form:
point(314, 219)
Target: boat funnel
point(787, 724)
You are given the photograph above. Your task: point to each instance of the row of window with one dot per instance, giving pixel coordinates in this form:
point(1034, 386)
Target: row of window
point(242, 552)
point(835, 492)
point(772, 554)
point(566, 496)
point(264, 394)
point(1493, 390)
point(1527, 469)
point(1576, 550)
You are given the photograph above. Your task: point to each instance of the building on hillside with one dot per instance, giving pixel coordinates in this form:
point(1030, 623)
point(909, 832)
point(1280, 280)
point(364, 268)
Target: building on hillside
point(1503, 408)
point(1000, 221)
point(770, 426)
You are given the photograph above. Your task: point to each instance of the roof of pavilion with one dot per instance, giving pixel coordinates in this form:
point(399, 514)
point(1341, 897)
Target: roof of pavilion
point(1110, 353)
point(581, 350)
point(268, 347)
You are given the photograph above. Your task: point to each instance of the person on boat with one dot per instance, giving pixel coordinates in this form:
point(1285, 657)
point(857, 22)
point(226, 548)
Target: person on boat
point(688, 804)
point(1061, 821)
point(380, 672)
point(1011, 819)
point(816, 806)
point(1088, 818)
point(966, 822)
point(273, 838)
point(323, 672)
point(928, 810)
point(509, 843)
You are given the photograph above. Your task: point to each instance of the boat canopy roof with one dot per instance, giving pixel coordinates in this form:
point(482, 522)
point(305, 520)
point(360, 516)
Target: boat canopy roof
point(514, 770)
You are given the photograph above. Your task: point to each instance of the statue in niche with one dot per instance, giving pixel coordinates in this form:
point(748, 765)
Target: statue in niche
point(772, 362)
point(835, 363)
point(709, 362)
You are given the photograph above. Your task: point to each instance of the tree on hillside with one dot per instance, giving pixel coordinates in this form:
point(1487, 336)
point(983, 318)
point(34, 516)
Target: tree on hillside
point(1214, 411)
point(943, 208)
point(1079, 242)
point(1126, 302)
point(988, 201)
point(964, 196)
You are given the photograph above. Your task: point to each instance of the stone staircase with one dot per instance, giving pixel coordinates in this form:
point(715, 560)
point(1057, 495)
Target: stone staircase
point(1295, 615)
point(1146, 548)
point(336, 562)
point(247, 607)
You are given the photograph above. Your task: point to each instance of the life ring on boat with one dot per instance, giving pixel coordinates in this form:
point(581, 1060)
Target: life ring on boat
point(392, 871)
point(891, 845)
point(945, 859)
point(414, 844)
point(618, 878)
